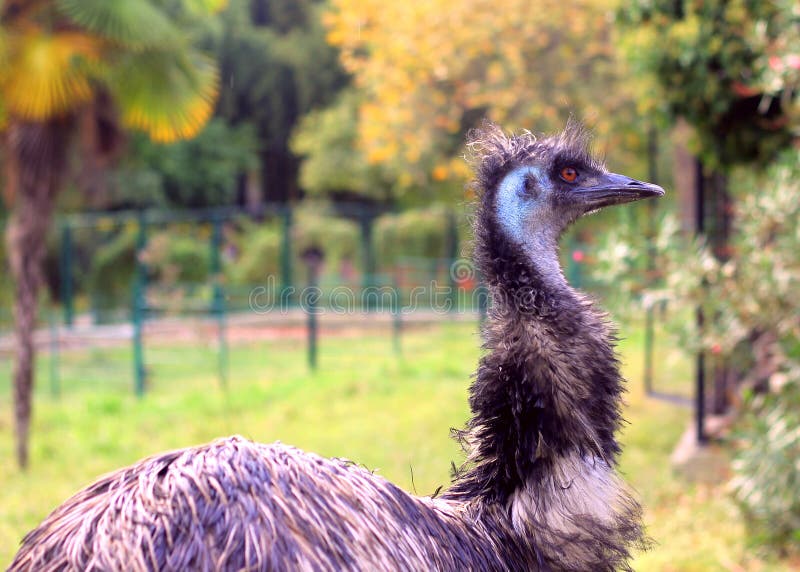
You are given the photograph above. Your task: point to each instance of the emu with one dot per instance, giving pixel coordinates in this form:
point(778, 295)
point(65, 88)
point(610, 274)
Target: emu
point(538, 490)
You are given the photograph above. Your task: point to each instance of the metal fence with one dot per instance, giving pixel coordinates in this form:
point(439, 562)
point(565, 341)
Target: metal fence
point(124, 343)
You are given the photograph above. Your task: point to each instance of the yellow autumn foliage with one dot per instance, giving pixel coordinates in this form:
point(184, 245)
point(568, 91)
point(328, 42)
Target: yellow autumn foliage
point(49, 75)
point(430, 70)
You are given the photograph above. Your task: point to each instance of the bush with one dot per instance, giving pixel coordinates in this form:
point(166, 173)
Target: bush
point(419, 233)
point(767, 466)
point(171, 257)
point(176, 257)
point(258, 249)
point(754, 291)
point(338, 238)
point(111, 271)
point(259, 246)
point(753, 299)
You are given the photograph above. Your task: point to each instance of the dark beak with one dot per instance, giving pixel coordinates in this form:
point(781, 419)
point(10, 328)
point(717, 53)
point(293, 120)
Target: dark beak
point(612, 189)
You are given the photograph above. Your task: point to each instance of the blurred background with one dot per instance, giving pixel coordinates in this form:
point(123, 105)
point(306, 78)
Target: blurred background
point(251, 216)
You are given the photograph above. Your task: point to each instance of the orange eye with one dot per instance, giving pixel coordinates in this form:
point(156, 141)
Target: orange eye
point(569, 174)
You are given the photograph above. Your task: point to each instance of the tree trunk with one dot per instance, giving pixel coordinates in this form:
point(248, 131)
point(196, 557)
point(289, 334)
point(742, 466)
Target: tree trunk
point(35, 161)
point(684, 174)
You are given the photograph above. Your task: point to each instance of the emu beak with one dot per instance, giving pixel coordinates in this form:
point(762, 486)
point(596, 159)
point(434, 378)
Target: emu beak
point(612, 189)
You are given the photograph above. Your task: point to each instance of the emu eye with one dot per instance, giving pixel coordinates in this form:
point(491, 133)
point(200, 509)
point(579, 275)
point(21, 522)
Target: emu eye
point(569, 174)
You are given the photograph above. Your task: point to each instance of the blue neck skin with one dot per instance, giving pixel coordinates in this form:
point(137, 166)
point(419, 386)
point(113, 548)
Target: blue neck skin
point(528, 220)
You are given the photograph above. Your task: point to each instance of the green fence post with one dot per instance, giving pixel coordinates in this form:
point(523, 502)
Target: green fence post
point(313, 327)
point(397, 323)
point(218, 301)
point(452, 256)
point(95, 309)
point(286, 248)
point(368, 280)
point(223, 339)
point(55, 382)
point(66, 273)
point(139, 285)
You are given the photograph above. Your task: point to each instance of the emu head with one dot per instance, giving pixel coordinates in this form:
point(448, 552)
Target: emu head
point(532, 189)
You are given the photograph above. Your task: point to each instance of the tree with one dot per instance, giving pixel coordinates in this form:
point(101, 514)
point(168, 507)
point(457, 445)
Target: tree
point(333, 165)
point(522, 66)
point(75, 72)
point(275, 67)
point(730, 69)
point(714, 64)
point(196, 173)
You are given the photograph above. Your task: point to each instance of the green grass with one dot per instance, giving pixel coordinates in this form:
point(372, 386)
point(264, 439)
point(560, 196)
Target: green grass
point(390, 413)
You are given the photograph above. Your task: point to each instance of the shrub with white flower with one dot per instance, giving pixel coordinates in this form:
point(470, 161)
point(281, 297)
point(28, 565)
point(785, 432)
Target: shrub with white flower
point(752, 302)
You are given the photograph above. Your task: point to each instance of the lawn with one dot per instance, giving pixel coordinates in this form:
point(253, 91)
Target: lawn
point(388, 412)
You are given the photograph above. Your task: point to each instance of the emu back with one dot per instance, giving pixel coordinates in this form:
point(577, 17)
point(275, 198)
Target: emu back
point(238, 505)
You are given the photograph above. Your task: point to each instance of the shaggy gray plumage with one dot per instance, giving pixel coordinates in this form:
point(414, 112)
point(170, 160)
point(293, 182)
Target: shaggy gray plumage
point(238, 505)
point(538, 491)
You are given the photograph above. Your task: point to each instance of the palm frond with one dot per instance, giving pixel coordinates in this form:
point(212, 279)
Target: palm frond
point(205, 6)
point(133, 23)
point(169, 95)
point(47, 75)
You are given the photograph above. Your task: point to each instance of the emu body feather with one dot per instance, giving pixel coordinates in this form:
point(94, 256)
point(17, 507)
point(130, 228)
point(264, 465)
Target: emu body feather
point(238, 505)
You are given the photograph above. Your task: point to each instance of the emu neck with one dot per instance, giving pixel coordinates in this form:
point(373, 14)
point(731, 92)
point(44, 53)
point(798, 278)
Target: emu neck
point(539, 254)
point(548, 389)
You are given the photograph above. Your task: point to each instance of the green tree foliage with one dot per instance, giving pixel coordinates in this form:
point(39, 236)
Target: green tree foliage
point(710, 61)
point(61, 54)
point(201, 172)
point(333, 164)
point(779, 63)
point(275, 67)
point(752, 293)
